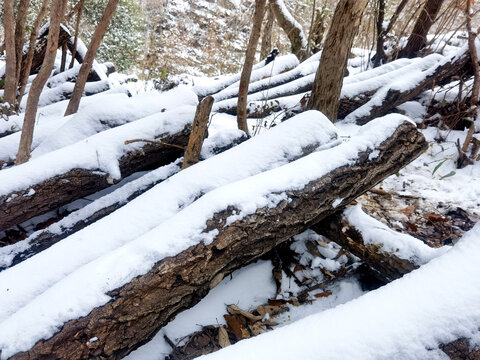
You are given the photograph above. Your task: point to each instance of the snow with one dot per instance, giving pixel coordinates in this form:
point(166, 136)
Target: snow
point(98, 152)
point(81, 262)
point(437, 303)
point(402, 245)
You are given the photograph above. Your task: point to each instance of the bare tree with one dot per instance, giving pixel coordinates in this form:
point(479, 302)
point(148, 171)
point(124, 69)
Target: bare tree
point(258, 15)
point(329, 77)
point(10, 89)
point(418, 38)
point(267, 34)
point(27, 63)
point(473, 54)
point(79, 8)
point(20, 35)
point(57, 13)
point(90, 56)
point(382, 32)
point(292, 28)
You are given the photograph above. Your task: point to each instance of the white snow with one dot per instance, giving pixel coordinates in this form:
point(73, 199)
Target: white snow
point(406, 319)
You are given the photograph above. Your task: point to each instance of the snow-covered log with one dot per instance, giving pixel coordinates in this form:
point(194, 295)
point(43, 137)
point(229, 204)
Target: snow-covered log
point(414, 317)
point(365, 95)
point(389, 254)
point(40, 240)
point(88, 166)
point(120, 300)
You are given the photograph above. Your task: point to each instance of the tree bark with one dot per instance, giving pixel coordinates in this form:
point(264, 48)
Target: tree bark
point(329, 77)
point(248, 64)
point(10, 92)
point(380, 52)
point(386, 266)
point(56, 16)
point(418, 38)
point(22, 12)
point(474, 57)
point(291, 27)
point(79, 10)
point(267, 34)
point(198, 133)
point(139, 308)
point(97, 37)
point(77, 183)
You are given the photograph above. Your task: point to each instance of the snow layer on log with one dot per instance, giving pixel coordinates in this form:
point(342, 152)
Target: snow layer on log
point(101, 114)
point(99, 152)
point(401, 245)
point(280, 64)
point(406, 319)
point(26, 311)
point(120, 196)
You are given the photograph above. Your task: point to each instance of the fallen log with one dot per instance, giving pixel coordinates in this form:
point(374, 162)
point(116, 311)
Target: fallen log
point(389, 254)
point(227, 228)
point(104, 206)
point(86, 167)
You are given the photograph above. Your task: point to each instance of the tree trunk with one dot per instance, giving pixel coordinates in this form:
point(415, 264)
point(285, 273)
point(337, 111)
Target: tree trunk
point(267, 34)
point(77, 183)
point(77, 29)
point(198, 133)
point(380, 52)
point(291, 27)
point(20, 35)
point(27, 60)
point(10, 92)
point(418, 37)
point(248, 64)
point(90, 57)
point(474, 57)
point(56, 15)
point(139, 308)
point(329, 77)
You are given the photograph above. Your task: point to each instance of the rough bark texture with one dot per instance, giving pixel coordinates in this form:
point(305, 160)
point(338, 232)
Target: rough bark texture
point(418, 38)
point(199, 130)
point(460, 350)
point(90, 57)
point(248, 64)
point(77, 29)
point(77, 183)
point(292, 28)
point(380, 53)
point(27, 59)
point(56, 15)
point(10, 92)
point(385, 266)
point(145, 304)
point(267, 34)
point(329, 77)
point(22, 11)
point(473, 54)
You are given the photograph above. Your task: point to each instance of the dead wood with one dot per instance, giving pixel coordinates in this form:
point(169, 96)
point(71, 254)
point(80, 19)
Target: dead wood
point(44, 239)
point(386, 266)
point(198, 133)
point(77, 183)
point(141, 307)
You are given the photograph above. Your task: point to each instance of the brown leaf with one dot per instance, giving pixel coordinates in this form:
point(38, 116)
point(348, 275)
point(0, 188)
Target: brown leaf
point(411, 226)
point(408, 210)
point(235, 310)
point(235, 325)
point(432, 217)
point(323, 294)
point(258, 328)
point(223, 339)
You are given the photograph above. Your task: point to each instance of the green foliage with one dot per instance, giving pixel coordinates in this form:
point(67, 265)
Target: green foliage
point(124, 39)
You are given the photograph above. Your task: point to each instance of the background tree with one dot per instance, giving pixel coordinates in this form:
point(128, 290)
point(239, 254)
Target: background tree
point(329, 77)
point(248, 64)
point(10, 92)
point(90, 57)
point(56, 16)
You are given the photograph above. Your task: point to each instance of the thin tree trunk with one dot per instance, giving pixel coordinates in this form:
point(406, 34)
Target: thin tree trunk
point(310, 32)
point(267, 34)
point(473, 54)
point(329, 77)
point(248, 64)
point(395, 16)
point(90, 57)
point(56, 16)
point(418, 37)
point(20, 35)
point(77, 28)
point(27, 65)
point(380, 52)
point(10, 92)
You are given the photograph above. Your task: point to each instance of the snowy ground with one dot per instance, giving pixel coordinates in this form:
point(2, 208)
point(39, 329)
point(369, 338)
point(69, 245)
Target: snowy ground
point(436, 303)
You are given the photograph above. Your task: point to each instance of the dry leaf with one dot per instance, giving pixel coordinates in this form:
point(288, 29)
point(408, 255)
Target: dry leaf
point(223, 339)
point(235, 325)
point(258, 328)
point(408, 210)
point(432, 217)
point(323, 294)
point(235, 310)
